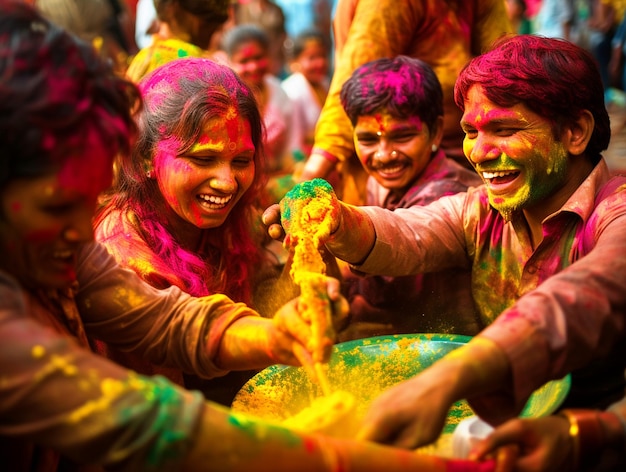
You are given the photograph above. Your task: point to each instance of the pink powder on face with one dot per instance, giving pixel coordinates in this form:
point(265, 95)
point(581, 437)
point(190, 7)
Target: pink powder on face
point(417, 122)
point(165, 148)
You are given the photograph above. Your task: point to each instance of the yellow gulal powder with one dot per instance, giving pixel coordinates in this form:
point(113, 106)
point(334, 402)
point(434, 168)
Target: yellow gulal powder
point(308, 209)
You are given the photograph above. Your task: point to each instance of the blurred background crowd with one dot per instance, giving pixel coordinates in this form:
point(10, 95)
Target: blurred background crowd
point(121, 28)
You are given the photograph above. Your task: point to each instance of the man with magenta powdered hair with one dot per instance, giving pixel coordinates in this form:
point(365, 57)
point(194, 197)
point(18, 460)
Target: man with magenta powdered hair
point(544, 237)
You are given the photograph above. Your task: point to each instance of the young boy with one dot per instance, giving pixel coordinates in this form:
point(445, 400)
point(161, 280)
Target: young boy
point(396, 109)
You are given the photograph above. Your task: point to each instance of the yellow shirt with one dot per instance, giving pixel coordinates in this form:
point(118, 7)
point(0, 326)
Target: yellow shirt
point(443, 33)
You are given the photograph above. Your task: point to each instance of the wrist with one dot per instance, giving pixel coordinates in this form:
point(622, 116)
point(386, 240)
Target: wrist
point(591, 432)
point(354, 237)
point(246, 344)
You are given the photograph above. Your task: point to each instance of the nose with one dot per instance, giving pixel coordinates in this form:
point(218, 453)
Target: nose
point(384, 152)
point(223, 179)
point(480, 149)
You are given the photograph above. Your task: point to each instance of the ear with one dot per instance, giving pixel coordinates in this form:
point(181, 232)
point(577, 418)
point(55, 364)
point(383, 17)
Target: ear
point(577, 134)
point(148, 168)
point(437, 131)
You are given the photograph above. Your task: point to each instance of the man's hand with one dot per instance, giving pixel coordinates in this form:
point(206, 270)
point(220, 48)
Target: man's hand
point(412, 413)
point(543, 444)
point(278, 218)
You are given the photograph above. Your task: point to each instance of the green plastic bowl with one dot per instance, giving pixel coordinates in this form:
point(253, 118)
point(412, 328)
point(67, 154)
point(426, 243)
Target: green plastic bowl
point(366, 367)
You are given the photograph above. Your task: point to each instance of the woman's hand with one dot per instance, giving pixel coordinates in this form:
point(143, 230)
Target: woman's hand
point(291, 334)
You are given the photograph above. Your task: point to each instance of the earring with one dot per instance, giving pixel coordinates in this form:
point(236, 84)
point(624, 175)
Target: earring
point(149, 174)
point(434, 148)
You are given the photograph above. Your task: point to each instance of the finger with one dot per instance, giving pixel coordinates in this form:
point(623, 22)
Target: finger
point(289, 320)
point(376, 430)
point(306, 361)
point(506, 434)
point(271, 215)
point(276, 232)
point(333, 288)
point(341, 314)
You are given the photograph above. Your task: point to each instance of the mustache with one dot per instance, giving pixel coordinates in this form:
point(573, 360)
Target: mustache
point(376, 164)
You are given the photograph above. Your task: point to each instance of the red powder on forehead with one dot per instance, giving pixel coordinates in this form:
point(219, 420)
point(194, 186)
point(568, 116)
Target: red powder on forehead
point(381, 122)
point(232, 126)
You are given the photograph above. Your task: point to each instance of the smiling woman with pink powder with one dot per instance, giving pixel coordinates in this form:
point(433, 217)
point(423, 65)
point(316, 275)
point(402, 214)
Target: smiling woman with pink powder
point(183, 209)
point(64, 117)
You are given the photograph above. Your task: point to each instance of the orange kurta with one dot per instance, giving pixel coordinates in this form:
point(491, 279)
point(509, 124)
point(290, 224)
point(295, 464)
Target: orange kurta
point(444, 34)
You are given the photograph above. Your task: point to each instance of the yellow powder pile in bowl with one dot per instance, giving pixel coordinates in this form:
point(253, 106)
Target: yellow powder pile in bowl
point(364, 369)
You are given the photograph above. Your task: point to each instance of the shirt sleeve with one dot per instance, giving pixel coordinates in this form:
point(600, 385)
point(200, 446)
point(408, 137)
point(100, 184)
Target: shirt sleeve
point(166, 327)
point(57, 394)
point(492, 22)
point(419, 239)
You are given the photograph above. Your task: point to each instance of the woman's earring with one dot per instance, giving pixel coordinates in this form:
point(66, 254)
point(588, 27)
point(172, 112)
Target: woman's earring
point(434, 148)
point(149, 174)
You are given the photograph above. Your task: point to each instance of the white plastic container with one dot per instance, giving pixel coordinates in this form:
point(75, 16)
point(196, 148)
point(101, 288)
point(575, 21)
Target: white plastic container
point(468, 433)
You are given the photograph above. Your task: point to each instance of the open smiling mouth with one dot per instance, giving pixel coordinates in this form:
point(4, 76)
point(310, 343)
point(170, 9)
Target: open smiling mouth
point(213, 202)
point(391, 169)
point(500, 177)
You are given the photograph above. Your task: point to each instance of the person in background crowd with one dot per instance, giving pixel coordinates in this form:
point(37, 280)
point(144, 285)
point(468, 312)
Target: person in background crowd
point(247, 48)
point(146, 23)
point(270, 17)
point(307, 85)
point(517, 13)
point(187, 28)
point(103, 23)
point(557, 19)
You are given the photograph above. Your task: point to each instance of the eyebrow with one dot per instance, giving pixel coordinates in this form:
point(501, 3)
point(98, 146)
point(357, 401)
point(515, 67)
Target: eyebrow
point(493, 121)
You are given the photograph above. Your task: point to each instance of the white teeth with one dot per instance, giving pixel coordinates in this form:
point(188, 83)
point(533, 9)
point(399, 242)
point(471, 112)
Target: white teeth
point(493, 175)
point(390, 169)
point(216, 200)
